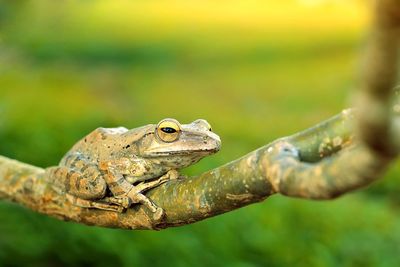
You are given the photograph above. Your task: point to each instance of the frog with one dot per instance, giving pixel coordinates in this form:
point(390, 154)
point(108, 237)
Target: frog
point(112, 168)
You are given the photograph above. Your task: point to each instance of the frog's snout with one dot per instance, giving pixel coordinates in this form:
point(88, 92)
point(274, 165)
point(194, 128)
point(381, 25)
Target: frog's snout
point(212, 142)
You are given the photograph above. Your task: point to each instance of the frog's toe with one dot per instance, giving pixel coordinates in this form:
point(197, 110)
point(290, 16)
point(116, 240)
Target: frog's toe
point(123, 201)
point(158, 214)
point(173, 174)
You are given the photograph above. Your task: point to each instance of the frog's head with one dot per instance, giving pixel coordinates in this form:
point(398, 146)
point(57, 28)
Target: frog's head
point(179, 145)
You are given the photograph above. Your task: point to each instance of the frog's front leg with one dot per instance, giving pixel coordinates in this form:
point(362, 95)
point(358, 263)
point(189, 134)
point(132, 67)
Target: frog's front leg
point(125, 194)
point(137, 196)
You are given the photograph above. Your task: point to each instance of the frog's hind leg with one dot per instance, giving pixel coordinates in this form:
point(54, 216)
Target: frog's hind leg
point(85, 188)
point(87, 183)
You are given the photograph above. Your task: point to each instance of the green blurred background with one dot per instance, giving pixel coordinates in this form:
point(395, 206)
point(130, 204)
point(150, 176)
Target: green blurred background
point(256, 70)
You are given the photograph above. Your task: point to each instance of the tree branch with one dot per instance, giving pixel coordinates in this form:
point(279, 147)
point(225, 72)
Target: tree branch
point(284, 166)
point(322, 162)
point(375, 123)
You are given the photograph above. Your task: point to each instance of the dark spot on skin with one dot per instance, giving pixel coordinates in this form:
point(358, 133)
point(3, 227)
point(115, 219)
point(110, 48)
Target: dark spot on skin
point(109, 146)
point(85, 140)
point(127, 146)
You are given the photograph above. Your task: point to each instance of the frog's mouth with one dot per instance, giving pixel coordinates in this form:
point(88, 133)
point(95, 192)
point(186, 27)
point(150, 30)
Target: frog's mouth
point(199, 152)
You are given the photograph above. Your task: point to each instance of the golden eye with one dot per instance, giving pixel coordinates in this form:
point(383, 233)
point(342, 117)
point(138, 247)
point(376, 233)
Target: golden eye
point(168, 130)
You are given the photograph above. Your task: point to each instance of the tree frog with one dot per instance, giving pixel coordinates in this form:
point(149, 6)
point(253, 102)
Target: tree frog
point(111, 168)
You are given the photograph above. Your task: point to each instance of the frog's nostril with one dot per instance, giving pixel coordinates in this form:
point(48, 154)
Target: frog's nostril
point(205, 139)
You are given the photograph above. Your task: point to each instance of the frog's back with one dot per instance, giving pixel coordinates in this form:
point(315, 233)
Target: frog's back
point(92, 146)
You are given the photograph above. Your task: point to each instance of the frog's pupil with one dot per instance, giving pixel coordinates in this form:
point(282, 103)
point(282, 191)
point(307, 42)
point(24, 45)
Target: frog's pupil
point(168, 130)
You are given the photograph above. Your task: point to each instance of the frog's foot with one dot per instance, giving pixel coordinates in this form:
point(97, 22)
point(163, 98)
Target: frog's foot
point(83, 203)
point(157, 212)
point(123, 201)
point(136, 195)
point(172, 175)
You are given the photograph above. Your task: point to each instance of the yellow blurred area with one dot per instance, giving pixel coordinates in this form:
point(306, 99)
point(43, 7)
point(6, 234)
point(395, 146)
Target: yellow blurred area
point(157, 20)
point(242, 15)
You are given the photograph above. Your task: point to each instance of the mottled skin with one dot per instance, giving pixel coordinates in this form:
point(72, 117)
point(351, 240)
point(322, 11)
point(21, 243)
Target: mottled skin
point(110, 168)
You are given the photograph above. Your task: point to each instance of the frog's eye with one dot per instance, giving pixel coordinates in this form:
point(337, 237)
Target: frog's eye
point(168, 130)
